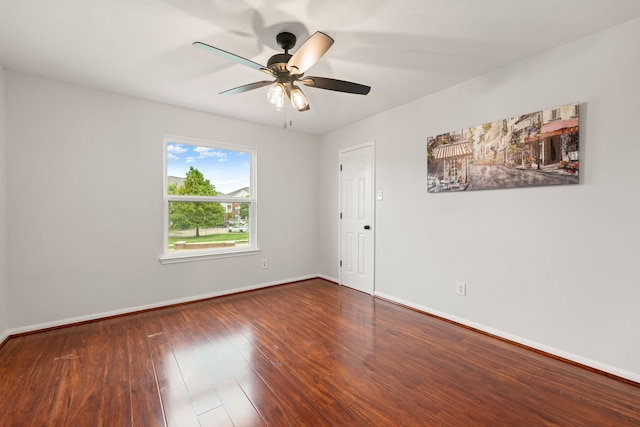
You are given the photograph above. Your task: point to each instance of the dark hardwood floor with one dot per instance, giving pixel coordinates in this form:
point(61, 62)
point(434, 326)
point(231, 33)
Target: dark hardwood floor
point(305, 354)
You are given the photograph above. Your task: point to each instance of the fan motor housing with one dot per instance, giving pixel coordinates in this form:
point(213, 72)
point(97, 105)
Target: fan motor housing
point(278, 62)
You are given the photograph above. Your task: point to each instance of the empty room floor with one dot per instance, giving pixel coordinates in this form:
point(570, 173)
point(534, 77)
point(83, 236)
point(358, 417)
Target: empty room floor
point(309, 353)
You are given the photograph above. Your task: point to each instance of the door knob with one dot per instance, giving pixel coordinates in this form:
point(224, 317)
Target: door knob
point(366, 227)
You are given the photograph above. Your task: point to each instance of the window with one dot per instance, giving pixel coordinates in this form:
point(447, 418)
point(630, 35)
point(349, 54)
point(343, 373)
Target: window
point(209, 199)
point(574, 110)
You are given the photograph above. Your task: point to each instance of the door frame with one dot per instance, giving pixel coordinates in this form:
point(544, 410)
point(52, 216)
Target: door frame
point(341, 153)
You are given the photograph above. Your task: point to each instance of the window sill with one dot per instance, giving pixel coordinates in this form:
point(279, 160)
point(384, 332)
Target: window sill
point(200, 256)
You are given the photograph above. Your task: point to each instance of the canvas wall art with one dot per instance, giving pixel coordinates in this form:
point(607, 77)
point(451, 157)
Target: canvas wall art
point(535, 149)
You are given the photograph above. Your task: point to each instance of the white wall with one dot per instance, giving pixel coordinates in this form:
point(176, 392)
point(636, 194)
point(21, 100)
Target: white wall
point(552, 267)
point(4, 305)
point(84, 197)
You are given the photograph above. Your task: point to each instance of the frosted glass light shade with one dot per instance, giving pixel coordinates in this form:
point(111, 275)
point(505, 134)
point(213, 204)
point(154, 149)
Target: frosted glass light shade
point(298, 100)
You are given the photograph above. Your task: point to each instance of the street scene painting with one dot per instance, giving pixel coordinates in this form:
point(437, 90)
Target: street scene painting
point(530, 150)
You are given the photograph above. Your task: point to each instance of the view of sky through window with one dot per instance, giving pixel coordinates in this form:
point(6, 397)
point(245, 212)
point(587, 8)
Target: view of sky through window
point(227, 170)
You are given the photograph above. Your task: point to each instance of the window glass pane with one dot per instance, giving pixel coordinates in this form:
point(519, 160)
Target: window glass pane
point(207, 225)
point(197, 170)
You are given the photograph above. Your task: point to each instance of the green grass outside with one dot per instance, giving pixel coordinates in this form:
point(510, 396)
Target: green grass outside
point(211, 238)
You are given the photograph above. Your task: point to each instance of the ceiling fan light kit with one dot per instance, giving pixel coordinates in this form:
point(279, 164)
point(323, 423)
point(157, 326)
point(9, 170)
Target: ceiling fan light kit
point(283, 89)
point(288, 69)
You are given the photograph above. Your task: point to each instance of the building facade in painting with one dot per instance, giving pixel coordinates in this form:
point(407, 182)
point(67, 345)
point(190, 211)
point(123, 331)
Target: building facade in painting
point(545, 141)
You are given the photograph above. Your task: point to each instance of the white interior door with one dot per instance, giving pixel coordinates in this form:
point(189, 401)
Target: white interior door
point(357, 218)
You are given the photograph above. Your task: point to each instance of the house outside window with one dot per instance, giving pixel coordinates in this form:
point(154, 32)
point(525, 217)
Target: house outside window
point(210, 204)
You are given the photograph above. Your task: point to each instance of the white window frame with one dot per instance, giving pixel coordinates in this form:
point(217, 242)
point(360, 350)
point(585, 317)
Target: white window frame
point(205, 254)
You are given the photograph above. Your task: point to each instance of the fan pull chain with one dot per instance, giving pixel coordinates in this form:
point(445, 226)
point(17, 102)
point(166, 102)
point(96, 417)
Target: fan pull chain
point(285, 113)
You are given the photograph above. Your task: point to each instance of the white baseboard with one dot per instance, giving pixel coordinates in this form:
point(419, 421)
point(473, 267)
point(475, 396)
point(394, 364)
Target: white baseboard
point(514, 338)
point(129, 310)
point(330, 279)
point(3, 337)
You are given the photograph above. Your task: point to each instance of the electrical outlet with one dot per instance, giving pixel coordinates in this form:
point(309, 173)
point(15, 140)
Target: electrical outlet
point(264, 263)
point(461, 289)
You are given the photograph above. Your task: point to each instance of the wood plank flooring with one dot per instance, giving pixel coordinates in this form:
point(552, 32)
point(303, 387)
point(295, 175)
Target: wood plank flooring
point(305, 354)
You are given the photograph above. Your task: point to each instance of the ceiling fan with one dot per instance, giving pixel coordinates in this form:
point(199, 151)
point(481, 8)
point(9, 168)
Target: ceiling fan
point(287, 70)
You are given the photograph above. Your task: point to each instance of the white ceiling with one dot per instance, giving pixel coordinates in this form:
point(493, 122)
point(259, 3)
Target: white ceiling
point(403, 49)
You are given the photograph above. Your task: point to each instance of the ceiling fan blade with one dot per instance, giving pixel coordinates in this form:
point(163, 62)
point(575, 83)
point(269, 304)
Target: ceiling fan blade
point(232, 57)
point(309, 53)
point(337, 85)
point(246, 88)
